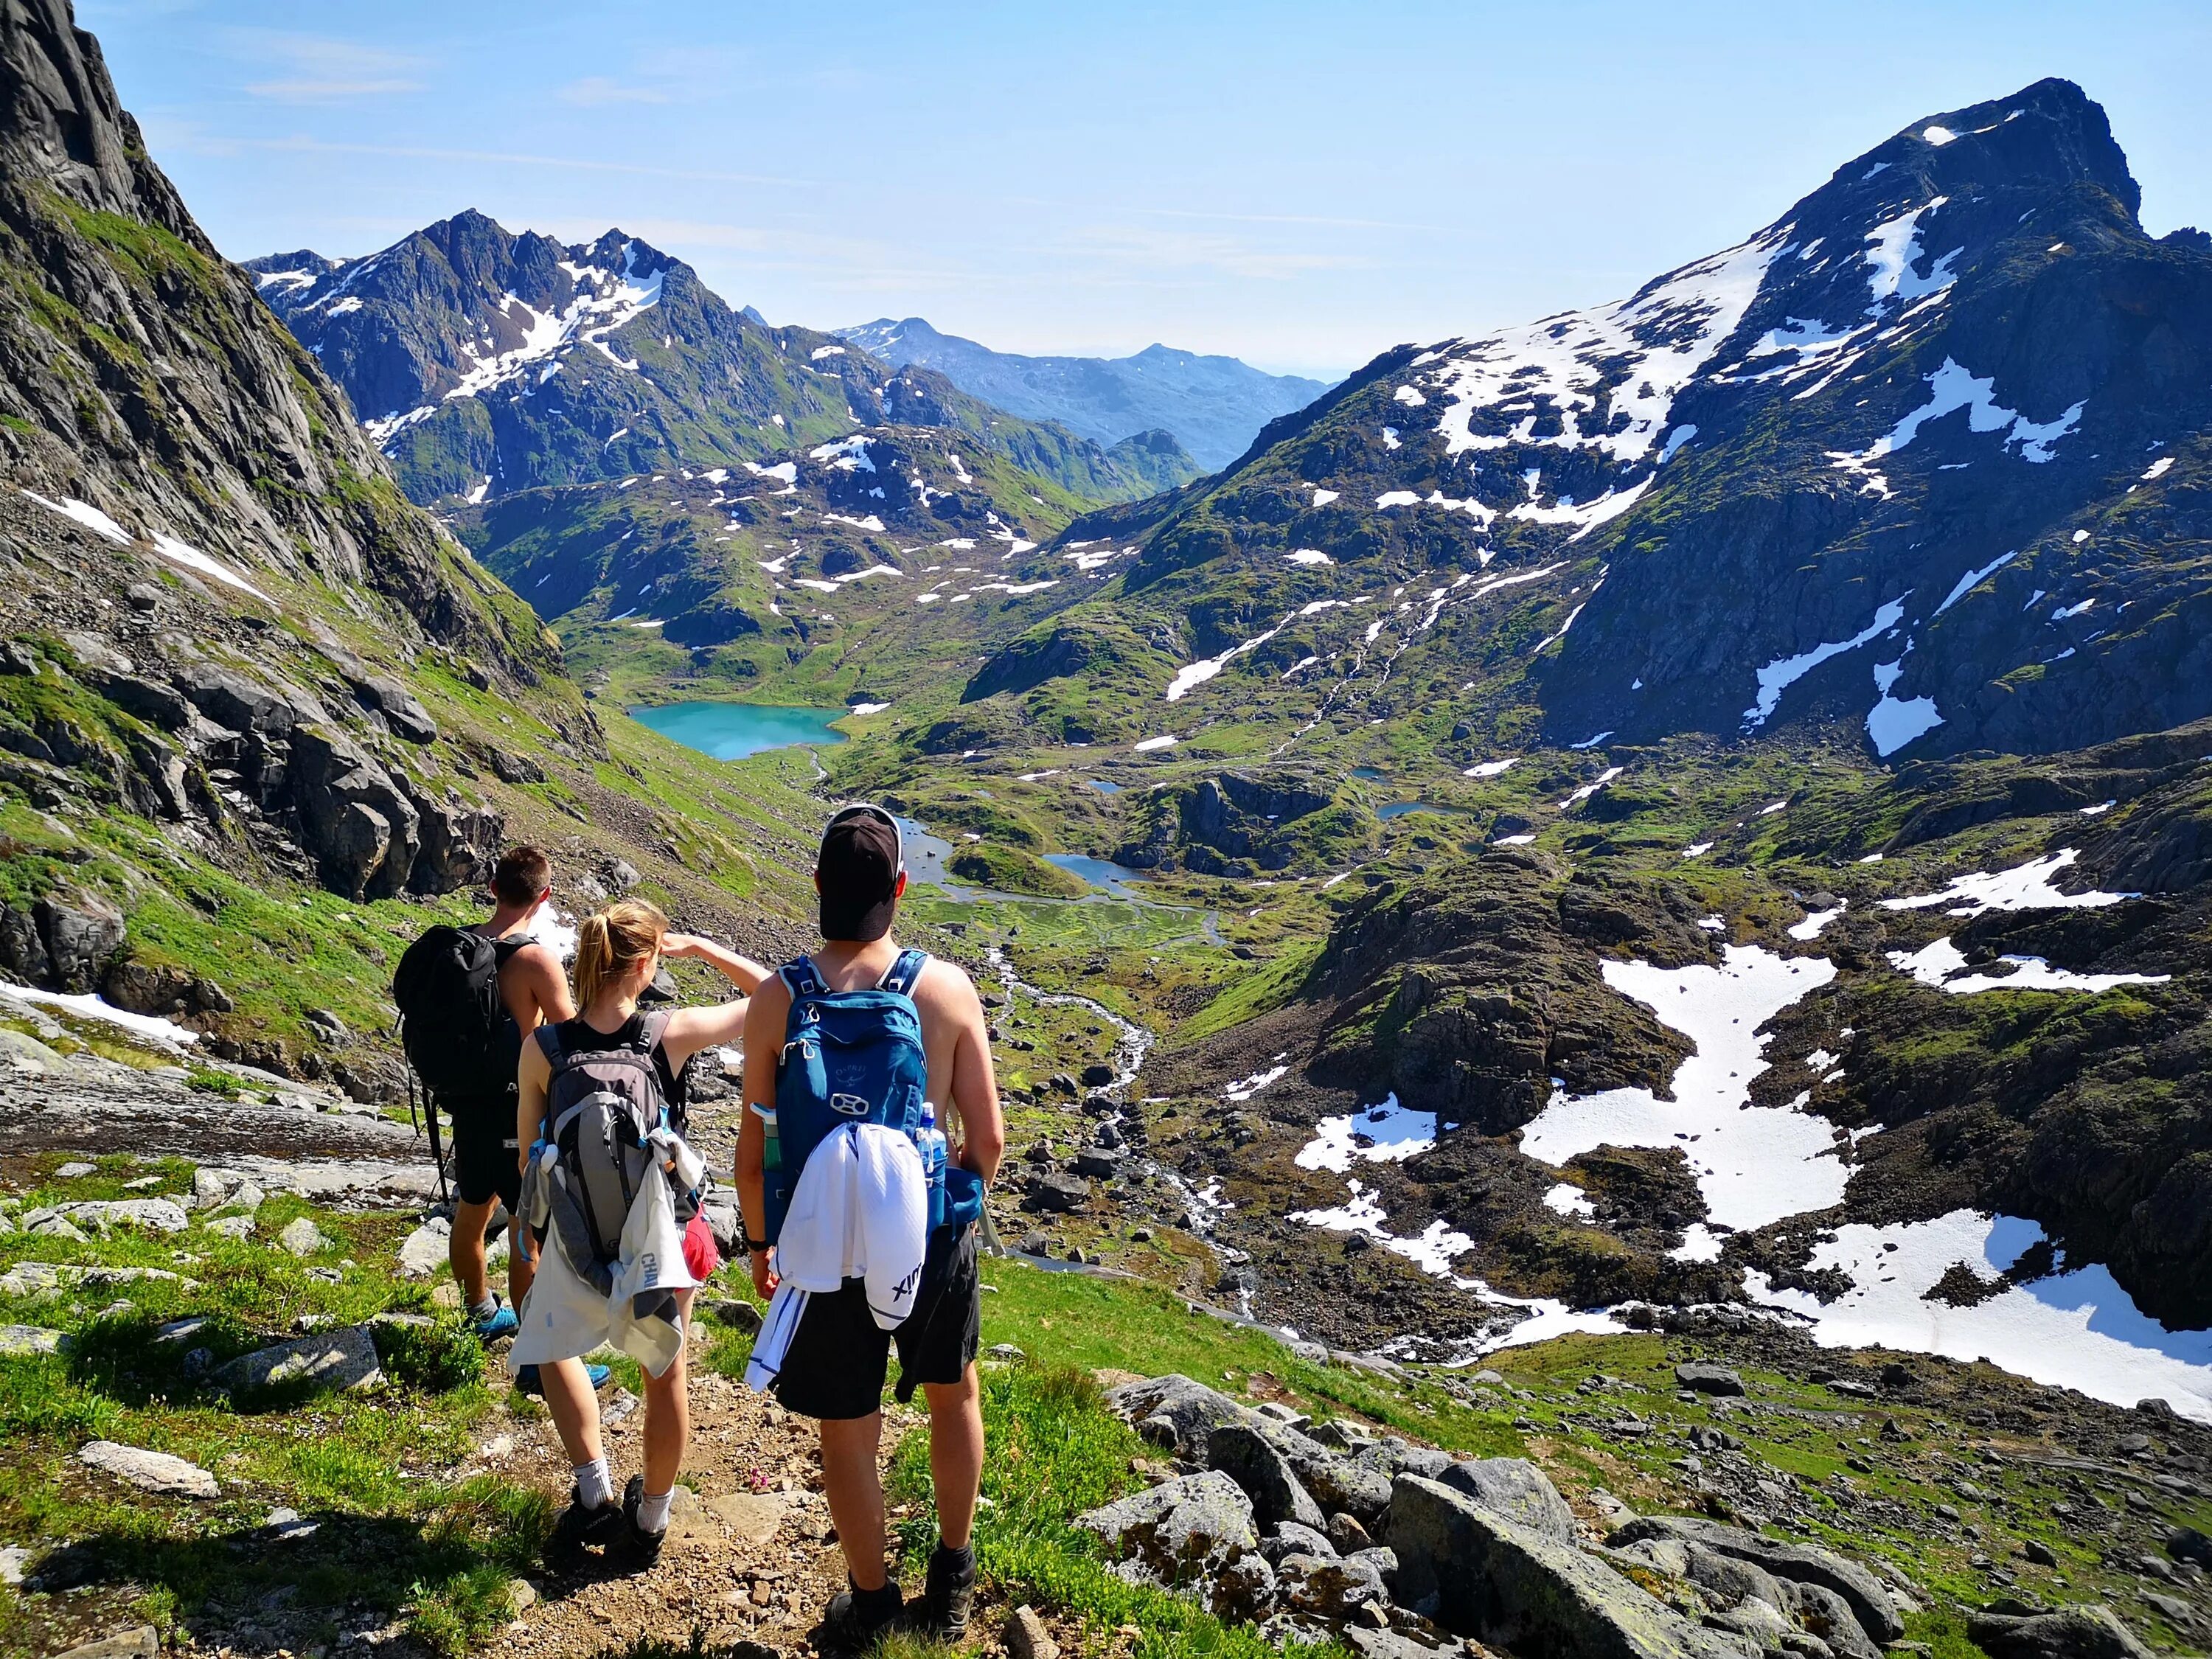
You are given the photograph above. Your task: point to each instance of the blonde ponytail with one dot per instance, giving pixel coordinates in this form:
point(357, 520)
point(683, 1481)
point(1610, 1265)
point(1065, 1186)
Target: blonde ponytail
point(612, 942)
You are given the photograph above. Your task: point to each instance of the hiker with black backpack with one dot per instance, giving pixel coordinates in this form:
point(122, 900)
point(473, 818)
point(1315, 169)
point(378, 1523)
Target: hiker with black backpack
point(468, 997)
point(614, 1188)
point(850, 1053)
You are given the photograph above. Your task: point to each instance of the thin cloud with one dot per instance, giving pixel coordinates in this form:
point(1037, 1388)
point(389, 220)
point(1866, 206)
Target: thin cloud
point(597, 91)
point(1196, 250)
point(513, 158)
point(321, 68)
point(1290, 218)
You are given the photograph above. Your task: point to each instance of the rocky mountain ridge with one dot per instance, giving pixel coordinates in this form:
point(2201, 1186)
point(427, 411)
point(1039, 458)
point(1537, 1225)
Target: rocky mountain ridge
point(482, 362)
point(1921, 455)
point(1214, 405)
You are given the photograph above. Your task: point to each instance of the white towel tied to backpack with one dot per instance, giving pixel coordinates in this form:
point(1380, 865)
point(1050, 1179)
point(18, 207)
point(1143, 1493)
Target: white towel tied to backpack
point(860, 1211)
point(564, 1317)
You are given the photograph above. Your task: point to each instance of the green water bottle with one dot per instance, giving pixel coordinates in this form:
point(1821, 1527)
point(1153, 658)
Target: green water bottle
point(771, 1143)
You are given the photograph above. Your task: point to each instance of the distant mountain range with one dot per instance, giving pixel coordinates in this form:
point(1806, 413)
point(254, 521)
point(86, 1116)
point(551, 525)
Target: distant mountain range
point(1215, 406)
point(482, 363)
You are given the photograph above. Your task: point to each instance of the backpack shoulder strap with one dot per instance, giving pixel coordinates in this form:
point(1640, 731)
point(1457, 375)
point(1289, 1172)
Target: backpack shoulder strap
point(548, 1038)
point(652, 1030)
point(803, 979)
point(904, 974)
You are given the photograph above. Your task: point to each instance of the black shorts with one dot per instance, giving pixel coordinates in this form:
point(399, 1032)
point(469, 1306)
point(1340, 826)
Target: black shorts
point(836, 1365)
point(486, 1164)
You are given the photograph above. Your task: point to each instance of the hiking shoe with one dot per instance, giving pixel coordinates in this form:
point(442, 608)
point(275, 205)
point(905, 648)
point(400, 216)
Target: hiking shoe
point(527, 1380)
point(578, 1526)
point(857, 1617)
point(501, 1321)
point(644, 1545)
point(948, 1596)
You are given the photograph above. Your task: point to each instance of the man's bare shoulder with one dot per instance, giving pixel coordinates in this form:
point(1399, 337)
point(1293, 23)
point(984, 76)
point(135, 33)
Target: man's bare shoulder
point(944, 986)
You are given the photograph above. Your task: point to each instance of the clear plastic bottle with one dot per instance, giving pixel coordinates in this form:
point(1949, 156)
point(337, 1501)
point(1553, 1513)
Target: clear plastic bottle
point(929, 1141)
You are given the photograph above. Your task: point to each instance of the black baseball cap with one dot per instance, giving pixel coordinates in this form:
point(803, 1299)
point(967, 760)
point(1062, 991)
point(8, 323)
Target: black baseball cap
point(863, 855)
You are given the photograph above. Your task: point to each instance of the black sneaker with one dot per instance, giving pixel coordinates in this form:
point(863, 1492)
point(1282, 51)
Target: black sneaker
point(644, 1547)
point(578, 1526)
point(856, 1617)
point(949, 1594)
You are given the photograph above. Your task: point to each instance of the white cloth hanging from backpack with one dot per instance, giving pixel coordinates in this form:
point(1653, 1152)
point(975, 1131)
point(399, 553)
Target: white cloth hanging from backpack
point(860, 1211)
point(564, 1317)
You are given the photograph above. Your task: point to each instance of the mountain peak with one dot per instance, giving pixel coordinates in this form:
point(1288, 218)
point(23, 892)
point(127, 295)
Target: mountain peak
point(2048, 135)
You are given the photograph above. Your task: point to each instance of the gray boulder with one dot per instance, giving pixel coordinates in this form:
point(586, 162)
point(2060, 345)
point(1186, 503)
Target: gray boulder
point(235, 702)
point(343, 1358)
point(141, 1642)
point(22, 950)
point(302, 1238)
point(1193, 1410)
point(1708, 1379)
point(1289, 1538)
point(362, 829)
point(81, 934)
point(1250, 1459)
point(1510, 1585)
point(1870, 1602)
point(1829, 1617)
point(1725, 1581)
point(2074, 1632)
point(1393, 1645)
point(149, 1471)
point(1329, 1586)
point(1059, 1194)
point(161, 1215)
point(1516, 1489)
point(1181, 1533)
point(30, 1342)
point(1185, 1413)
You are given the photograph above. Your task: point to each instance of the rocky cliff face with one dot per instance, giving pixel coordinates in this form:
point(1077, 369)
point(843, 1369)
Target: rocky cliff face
point(1921, 455)
point(223, 618)
point(483, 362)
point(140, 377)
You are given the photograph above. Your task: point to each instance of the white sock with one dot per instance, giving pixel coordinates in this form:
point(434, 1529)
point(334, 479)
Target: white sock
point(653, 1511)
point(594, 1485)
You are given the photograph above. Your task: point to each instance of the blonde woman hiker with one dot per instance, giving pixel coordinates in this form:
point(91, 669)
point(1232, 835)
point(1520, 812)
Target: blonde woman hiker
point(591, 1089)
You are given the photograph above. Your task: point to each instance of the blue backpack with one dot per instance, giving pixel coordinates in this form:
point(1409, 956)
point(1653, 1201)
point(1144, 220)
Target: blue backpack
point(854, 1057)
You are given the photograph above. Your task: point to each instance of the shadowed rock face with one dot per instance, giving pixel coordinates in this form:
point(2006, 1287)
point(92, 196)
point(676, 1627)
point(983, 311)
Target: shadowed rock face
point(1466, 992)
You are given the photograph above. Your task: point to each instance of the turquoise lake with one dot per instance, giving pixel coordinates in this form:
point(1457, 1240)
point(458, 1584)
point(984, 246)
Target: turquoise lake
point(731, 730)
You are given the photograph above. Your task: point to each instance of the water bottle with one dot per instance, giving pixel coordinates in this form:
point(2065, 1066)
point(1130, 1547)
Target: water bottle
point(771, 1143)
point(929, 1141)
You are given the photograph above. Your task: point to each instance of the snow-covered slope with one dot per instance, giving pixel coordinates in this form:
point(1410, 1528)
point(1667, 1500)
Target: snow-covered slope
point(1922, 454)
point(482, 363)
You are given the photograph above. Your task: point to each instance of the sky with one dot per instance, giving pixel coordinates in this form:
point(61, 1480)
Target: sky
point(1299, 184)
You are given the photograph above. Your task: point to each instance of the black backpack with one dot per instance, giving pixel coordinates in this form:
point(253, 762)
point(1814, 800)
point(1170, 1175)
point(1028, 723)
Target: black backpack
point(459, 1037)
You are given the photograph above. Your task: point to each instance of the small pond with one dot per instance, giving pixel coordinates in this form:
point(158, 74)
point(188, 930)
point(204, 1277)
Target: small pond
point(731, 730)
point(1398, 809)
point(1104, 786)
point(1113, 879)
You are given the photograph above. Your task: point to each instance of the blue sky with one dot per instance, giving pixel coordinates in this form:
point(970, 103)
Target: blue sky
point(1299, 184)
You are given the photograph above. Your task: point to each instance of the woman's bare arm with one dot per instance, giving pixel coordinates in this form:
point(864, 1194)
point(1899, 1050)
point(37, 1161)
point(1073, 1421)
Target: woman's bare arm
point(740, 970)
point(690, 1029)
point(531, 1077)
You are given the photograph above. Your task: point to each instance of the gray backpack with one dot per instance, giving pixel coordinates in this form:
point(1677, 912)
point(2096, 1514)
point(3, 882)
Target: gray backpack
point(600, 1106)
